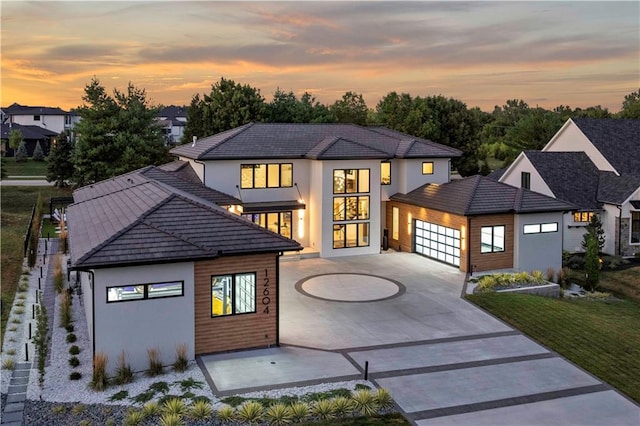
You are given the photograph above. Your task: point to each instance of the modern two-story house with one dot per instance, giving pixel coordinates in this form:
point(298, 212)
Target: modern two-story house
point(53, 119)
point(593, 164)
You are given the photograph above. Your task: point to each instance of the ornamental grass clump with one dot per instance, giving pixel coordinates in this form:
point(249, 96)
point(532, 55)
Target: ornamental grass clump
point(155, 365)
point(226, 414)
point(200, 410)
point(364, 402)
point(250, 412)
point(151, 408)
point(124, 374)
point(323, 409)
point(58, 275)
point(174, 406)
point(99, 377)
point(342, 406)
point(182, 362)
point(171, 420)
point(299, 412)
point(66, 315)
point(278, 414)
point(383, 399)
point(133, 418)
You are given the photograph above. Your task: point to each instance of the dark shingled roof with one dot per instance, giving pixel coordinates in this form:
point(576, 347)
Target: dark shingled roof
point(571, 176)
point(171, 114)
point(617, 139)
point(28, 132)
point(314, 141)
point(616, 189)
point(17, 109)
point(480, 195)
point(148, 217)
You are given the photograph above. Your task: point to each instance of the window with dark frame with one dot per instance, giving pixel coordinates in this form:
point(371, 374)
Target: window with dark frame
point(540, 228)
point(635, 228)
point(271, 175)
point(36, 118)
point(525, 180)
point(492, 239)
point(158, 290)
point(354, 207)
point(233, 294)
point(427, 168)
point(385, 173)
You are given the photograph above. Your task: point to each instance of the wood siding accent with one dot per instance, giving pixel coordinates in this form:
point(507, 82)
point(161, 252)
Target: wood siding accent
point(405, 240)
point(488, 261)
point(470, 244)
point(243, 331)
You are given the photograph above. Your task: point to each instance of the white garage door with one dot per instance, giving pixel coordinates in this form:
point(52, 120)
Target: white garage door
point(438, 242)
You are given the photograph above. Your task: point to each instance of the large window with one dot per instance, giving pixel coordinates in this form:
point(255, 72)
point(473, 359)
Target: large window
point(124, 293)
point(492, 239)
point(385, 173)
point(351, 208)
point(350, 181)
point(635, 227)
point(525, 180)
point(278, 222)
point(427, 168)
point(351, 235)
point(582, 216)
point(233, 294)
point(266, 175)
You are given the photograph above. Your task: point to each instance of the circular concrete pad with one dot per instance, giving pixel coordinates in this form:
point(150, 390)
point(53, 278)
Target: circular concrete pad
point(349, 287)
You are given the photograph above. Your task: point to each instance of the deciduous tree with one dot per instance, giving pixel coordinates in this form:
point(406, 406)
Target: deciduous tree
point(631, 106)
point(350, 109)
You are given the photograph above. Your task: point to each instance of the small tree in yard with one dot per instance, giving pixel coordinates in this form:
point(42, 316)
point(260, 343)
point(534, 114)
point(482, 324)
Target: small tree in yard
point(591, 263)
point(41, 340)
point(60, 161)
point(15, 137)
point(594, 228)
point(21, 155)
point(38, 153)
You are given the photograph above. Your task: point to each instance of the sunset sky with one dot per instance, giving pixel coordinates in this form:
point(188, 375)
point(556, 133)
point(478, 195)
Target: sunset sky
point(483, 53)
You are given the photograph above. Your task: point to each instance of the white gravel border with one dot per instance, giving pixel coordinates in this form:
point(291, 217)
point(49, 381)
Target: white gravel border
point(59, 388)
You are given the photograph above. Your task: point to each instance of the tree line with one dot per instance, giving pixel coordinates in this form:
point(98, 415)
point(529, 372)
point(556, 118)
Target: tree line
point(118, 133)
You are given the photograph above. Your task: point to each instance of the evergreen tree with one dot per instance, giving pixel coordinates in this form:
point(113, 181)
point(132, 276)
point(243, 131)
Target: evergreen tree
point(60, 161)
point(594, 229)
point(21, 155)
point(38, 153)
point(591, 263)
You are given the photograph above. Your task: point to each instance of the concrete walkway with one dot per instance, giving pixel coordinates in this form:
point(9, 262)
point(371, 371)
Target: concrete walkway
point(443, 360)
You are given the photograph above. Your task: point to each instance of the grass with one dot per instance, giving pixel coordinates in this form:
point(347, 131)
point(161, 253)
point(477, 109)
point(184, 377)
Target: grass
point(17, 202)
point(28, 168)
point(625, 282)
point(601, 337)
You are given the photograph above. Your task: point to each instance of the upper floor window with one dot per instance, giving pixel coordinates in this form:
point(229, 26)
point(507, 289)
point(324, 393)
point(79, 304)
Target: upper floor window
point(350, 181)
point(427, 168)
point(36, 118)
point(492, 239)
point(266, 175)
point(67, 120)
point(351, 208)
point(582, 216)
point(385, 173)
point(525, 180)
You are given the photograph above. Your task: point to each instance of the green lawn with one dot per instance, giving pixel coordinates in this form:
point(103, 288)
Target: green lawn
point(29, 168)
point(625, 282)
point(601, 337)
point(16, 202)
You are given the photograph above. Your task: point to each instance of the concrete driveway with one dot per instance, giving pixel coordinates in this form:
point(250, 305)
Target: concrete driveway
point(443, 360)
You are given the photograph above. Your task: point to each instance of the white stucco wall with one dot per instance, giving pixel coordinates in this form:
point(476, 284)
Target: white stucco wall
point(570, 139)
point(138, 325)
point(513, 176)
point(55, 123)
point(537, 251)
point(87, 295)
point(314, 207)
point(573, 233)
point(414, 177)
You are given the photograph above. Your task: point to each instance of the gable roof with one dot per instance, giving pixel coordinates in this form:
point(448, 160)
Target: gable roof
point(147, 217)
point(17, 109)
point(618, 140)
point(314, 141)
point(30, 132)
point(480, 195)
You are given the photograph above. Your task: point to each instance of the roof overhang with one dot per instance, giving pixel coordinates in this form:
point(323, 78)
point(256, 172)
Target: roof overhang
point(272, 206)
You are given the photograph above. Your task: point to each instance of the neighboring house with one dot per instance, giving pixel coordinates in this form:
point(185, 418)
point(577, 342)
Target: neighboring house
point(595, 165)
point(478, 224)
point(53, 119)
point(160, 263)
point(172, 119)
point(31, 136)
point(325, 185)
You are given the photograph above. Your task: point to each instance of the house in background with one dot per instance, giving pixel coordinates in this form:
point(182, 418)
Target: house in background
point(172, 119)
point(53, 119)
point(325, 185)
point(478, 224)
point(161, 261)
point(31, 135)
point(595, 165)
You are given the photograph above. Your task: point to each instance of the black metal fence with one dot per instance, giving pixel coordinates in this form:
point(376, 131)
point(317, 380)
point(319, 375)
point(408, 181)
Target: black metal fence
point(27, 235)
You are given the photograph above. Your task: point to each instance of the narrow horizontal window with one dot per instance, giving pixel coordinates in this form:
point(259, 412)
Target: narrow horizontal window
point(549, 227)
point(532, 229)
point(145, 291)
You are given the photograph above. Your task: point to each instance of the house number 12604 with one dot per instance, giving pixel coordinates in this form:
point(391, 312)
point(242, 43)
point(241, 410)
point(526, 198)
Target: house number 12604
point(265, 292)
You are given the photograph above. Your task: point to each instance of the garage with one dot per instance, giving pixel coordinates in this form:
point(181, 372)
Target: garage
point(437, 242)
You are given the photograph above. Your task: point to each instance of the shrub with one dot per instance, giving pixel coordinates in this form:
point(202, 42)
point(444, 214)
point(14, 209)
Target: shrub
point(226, 414)
point(364, 402)
point(8, 364)
point(21, 155)
point(551, 274)
point(71, 338)
point(171, 420)
point(576, 262)
point(66, 315)
point(58, 409)
point(69, 328)
point(323, 409)
point(74, 350)
point(342, 406)
point(612, 263)
point(200, 410)
point(75, 375)
point(74, 361)
point(119, 396)
point(175, 406)
point(563, 276)
point(133, 418)
point(78, 409)
point(38, 153)
point(538, 277)
point(181, 363)
point(99, 377)
point(299, 411)
point(155, 365)
point(383, 399)
point(16, 321)
point(278, 414)
point(151, 409)
point(124, 374)
point(58, 275)
point(250, 412)
point(10, 351)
